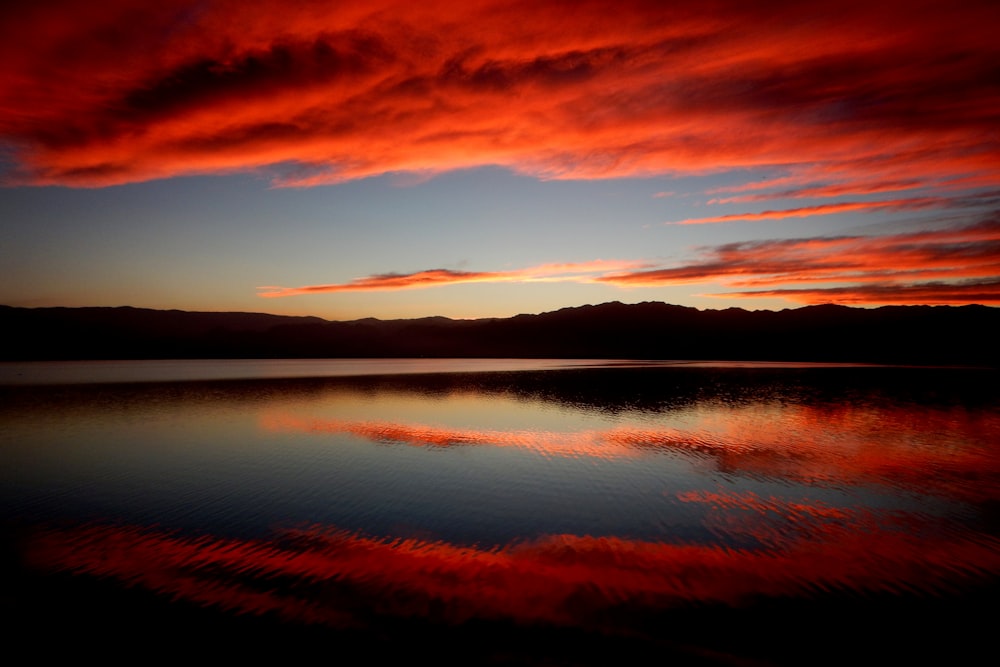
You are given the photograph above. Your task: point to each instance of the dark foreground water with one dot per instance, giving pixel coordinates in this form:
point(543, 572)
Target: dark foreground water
point(501, 512)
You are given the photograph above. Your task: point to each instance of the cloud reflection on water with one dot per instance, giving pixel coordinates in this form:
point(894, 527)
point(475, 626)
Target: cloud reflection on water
point(341, 579)
point(943, 452)
point(798, 493)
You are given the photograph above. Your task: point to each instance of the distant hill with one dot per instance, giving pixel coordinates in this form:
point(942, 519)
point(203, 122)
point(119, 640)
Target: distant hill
point(651, 330)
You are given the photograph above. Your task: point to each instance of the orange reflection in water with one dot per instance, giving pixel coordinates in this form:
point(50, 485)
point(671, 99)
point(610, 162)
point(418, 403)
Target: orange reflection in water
point(943, 452)
point(595, 444)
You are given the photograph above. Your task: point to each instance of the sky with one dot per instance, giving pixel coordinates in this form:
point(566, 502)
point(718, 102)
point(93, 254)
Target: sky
point(486, 158)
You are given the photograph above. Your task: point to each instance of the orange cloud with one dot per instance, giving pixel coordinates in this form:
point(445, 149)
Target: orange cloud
point(557, 272)
point(319, 93)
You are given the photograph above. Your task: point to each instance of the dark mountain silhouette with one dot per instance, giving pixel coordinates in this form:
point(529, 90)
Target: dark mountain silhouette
point(651, 330)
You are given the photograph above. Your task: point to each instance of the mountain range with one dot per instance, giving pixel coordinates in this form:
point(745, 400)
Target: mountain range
point(650, 330)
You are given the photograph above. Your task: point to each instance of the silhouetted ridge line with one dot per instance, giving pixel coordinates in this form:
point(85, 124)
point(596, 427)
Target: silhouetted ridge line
point(649, 330)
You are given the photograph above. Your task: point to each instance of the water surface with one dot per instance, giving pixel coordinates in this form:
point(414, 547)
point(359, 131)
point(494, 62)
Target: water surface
point(611, 499)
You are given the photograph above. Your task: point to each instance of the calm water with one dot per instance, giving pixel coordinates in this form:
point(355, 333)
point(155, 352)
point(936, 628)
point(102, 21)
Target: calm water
point(624, 500)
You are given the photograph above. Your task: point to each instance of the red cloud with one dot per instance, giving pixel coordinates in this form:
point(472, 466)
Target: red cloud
point(318, 93)
point(934, 293)
point(958, 265)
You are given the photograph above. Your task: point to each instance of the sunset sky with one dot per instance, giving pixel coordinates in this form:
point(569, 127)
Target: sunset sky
point(492, 157)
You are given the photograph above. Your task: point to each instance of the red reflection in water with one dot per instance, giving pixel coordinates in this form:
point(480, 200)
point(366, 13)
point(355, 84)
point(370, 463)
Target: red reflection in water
point(342, 579)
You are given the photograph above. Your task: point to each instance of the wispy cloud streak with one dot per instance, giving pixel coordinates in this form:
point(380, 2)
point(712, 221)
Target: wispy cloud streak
point(914, 203)
point(933, 293)
point(831, 190)
point(946, 266)
point(559, 272)
point(953, 265)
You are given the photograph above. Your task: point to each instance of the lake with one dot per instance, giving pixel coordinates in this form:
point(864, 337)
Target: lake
point(504, 511)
